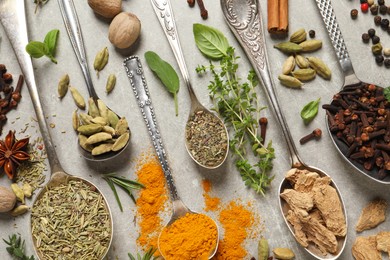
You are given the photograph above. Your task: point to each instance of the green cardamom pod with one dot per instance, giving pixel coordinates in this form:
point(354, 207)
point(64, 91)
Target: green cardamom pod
point(92, 108)
point(304, 74)
point(75, 120)
point(101, 60)
point(288, 47)
point(77, 97)
point(89, 129)
point(111, 81)
point(112, 118)
point(103, 110)
point(301, 62)
point(99, 120)
point(85, 119)
point(377, 49)
point(298, 36)
point(19, 210)
point(122, 126)
point(288, 65)
point(121, 142)
point(63, 85)
point(311, 45)
point(283, 253)
point(98, 138)
point(289, 81)
point(102, 148)
point(83, 143)
point(320, 67)
point(263, 249)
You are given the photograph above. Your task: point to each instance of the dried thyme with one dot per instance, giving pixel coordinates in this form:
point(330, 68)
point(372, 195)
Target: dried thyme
point(206, 139)
point(71, 221)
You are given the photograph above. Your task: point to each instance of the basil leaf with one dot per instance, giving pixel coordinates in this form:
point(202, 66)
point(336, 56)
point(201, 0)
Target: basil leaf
point(386, 93)
point(37, 49)
point(210, 41)
point(51, 41)
point(165, 73)
point(310, 110)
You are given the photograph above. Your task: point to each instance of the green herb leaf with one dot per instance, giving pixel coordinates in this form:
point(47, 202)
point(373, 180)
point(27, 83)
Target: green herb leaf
point(37, 49)
point(16, 248)
point(165, 73)
point(111, 184)
point(51, 41)
point(386, 93)
point(210, 41)
point(310, 110)
point(148, 255)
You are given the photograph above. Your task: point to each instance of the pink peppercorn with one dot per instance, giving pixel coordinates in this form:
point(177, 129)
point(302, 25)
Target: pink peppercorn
point(364, 7)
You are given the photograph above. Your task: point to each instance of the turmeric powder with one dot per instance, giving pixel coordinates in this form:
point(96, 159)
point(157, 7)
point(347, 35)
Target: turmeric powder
point(193, 236)
point(151, 202)
point(211, 203)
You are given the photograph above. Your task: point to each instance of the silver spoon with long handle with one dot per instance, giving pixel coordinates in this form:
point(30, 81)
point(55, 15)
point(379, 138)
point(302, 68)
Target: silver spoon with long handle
point(13, 19)
point(134, 71)
point(244, 19)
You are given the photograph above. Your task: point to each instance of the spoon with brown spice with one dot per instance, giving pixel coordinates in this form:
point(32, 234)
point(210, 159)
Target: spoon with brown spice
point(73, 28)
point(13, 19)
point(138, 83)
point(244, 19)
point(207, 140)
point(359, 115)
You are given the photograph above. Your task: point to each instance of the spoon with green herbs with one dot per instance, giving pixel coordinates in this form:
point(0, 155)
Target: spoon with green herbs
point(207, 139)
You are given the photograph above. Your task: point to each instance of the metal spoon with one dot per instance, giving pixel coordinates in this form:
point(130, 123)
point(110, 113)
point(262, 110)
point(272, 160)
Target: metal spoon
point(73, 28)
point(164, 13)
point(350, 79)
point(244, 19)
point(138, 83)
point(13, 19)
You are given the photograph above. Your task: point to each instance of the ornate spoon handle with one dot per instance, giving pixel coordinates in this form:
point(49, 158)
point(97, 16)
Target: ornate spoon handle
point(138, 83)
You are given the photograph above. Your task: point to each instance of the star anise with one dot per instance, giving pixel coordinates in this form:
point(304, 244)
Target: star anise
point(12, 152)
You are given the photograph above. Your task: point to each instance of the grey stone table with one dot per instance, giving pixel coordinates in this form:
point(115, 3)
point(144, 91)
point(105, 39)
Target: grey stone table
point(355, 189)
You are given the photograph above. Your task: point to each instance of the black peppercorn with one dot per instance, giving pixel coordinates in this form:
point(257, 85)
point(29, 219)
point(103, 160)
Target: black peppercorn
point(379, 59)
point(354, 13)
point(365, 37)
point(381, 2)
point(385, 23)
point(374, 9)
point(387, 63)
point(383, 9)
point(377, 20)
point(312, 33)
point(375, 39)
point(371, 32)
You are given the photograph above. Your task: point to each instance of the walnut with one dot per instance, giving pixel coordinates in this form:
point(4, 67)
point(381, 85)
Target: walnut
point(124, 30)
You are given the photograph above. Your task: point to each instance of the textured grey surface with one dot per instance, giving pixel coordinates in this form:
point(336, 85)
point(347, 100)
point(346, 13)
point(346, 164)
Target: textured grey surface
point(355, 189)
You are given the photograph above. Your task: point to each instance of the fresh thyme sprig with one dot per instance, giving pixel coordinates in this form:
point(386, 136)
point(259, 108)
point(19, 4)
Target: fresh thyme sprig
point(238, 105)
point(148, 255)
point(125, 184)
point(16, 248)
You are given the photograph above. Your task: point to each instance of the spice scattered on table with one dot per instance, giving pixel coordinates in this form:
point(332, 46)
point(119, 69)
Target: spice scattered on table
point(211, 203)
point(73, 225)
point(193, 236)
point(203, 11)
point(372, 215)
point(206, 138)
point(316, 134)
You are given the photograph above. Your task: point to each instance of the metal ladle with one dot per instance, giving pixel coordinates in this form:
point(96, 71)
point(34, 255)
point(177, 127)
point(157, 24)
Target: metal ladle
point(244, 19)
point(73, 28)
point(164, 13)
point(13, 19)
point(138, 83)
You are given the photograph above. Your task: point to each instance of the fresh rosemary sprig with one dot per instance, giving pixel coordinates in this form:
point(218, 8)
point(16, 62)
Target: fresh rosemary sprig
point(16, 248)
point(148, 255)
point(39, 3)
point(238, 105)
point(125, 184)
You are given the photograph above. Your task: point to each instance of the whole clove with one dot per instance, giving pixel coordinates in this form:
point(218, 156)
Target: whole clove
point(359, 116)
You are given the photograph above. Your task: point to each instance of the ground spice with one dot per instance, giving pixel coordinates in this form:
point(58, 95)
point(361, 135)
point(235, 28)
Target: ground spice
point(151, 202)
point(211, 203)
point(193, 236)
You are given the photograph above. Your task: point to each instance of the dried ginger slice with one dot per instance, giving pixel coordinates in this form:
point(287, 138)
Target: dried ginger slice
point(305, 182)
point(383, 241)
point(299, 202)
point(300, 236)
point(364, 248)
point(372, 215)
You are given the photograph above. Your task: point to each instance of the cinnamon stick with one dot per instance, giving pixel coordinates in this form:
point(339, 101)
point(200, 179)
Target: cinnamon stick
point(277, 16)
point(283, 16)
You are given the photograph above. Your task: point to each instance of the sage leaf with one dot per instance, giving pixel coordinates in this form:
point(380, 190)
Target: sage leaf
point(210, 41)
point(165, 73)
point(51, 41)
point(310, 110)
point(37, 49)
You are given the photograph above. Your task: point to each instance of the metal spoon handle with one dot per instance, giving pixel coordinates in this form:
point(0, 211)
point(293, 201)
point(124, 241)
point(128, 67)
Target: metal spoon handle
point(164, 13)
point(138, 83)
point(13, 19)
point(245, 22)
point(329, 18)
point(73, 28)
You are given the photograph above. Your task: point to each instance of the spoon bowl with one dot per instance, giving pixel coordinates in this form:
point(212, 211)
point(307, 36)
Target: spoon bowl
point(73, 28)
point(244, 20)
point(138, 83)
point(164, 13)
point(13, 19)
point(351, 83)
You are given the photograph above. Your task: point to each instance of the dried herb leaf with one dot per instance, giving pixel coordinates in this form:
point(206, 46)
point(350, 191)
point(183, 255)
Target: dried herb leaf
point(310, 110)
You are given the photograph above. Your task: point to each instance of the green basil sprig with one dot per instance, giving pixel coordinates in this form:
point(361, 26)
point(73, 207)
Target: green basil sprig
point(46, 48)
point(310, 110)
point(210, 41)
point(165, 73)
